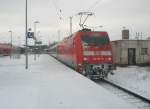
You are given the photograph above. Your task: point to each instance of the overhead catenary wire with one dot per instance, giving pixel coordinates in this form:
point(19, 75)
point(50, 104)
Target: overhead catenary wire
point(58, 10)
point(90, 8)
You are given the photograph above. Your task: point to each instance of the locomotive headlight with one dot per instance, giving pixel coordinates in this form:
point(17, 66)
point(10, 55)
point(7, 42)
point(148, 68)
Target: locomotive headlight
point(109, 59)
point(85, 58)
point(98, 59)
point(79, 64)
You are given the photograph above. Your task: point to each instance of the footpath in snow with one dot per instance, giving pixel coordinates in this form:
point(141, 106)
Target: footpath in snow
point(48, 84)
point(135, 78)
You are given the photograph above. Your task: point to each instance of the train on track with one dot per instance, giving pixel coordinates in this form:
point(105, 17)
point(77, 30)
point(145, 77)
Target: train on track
point(88, 52)
point(5, 49)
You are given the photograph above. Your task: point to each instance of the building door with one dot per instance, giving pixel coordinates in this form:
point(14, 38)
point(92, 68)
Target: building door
point(131, 56)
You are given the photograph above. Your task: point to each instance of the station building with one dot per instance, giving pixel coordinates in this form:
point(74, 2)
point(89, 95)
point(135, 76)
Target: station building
point(131, 52)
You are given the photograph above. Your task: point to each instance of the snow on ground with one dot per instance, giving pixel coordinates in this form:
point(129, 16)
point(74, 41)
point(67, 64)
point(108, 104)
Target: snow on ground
point(134, 78)
point(48, 84)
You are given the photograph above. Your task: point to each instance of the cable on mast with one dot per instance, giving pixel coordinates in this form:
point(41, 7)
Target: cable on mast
point(58, 10)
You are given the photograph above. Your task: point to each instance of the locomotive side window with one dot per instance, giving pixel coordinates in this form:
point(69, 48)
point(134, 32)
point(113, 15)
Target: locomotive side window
point(95, 40)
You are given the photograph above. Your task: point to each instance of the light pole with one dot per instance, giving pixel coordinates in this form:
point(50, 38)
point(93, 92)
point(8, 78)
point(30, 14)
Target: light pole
point(10, 42)
point(35, 39)
point(70, 25)
point(26, 35)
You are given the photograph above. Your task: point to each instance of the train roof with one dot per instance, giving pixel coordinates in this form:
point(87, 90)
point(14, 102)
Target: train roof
point(70, 36)
point(88, 30)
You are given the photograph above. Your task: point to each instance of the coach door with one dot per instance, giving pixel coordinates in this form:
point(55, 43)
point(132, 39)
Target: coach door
point(131, 56)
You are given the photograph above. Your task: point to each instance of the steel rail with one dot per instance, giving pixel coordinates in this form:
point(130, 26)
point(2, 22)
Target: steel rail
point(128, 91)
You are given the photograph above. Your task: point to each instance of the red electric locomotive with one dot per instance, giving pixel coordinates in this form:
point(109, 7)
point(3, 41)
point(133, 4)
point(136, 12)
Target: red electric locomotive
point(88, 52)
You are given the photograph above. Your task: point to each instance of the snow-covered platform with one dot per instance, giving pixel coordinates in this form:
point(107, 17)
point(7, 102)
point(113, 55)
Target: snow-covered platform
point(134, 78)
point(48, 84)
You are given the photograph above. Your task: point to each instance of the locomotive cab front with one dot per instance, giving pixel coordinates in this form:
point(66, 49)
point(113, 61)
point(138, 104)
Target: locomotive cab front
point(97, 54)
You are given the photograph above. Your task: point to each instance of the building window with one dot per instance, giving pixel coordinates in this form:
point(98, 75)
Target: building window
point(144, 51)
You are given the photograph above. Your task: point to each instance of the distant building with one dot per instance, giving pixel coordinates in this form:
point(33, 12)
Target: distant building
point(131, 52)
point(38, 48)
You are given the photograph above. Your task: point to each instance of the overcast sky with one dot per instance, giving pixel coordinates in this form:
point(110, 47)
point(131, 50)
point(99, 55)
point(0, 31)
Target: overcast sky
point(111, 14)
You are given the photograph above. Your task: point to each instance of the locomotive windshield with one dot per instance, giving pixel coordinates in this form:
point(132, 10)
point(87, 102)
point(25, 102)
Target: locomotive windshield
point(95, 40)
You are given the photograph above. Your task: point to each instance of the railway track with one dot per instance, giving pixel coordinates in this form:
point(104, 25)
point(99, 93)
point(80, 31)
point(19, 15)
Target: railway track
point(133, 98)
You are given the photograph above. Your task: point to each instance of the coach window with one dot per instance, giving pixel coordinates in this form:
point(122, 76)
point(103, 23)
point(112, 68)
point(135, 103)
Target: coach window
point(144, 51)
